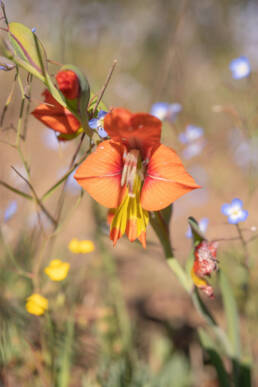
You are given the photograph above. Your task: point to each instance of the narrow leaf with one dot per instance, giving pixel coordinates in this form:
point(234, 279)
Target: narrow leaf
point(231, 314)
point(26, 48)
point(214, 358)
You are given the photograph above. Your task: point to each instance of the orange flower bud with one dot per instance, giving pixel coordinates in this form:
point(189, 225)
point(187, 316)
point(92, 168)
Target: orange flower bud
point(68, 83)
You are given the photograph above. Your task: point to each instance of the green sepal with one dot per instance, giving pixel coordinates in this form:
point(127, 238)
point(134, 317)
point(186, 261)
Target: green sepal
point(70, 136)
point(198, 236)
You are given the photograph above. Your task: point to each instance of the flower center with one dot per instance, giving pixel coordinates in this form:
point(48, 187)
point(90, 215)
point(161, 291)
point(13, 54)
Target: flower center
point(131, 170)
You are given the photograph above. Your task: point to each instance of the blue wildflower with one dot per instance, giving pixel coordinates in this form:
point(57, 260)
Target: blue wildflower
point(98, 123)
point(192, 150)
point(234, 211)
point(173, 110)
point(34, 29)
point(203, 224)
point(10, 210)
point(240, 67)
point(50, 140)
point(190, 134)
point(166, 111)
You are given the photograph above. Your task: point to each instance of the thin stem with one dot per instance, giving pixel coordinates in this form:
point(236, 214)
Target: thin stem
point(4, 13)
point(8, 101)
point(244, 244)
point(10, 254)
point(15, 190)
point(37, 199)
point(170, 52)
point(163, 235)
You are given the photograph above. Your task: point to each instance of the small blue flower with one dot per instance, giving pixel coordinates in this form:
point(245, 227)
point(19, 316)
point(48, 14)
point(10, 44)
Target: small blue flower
point(192, 150)
point(160, 110)
point(50, 140)
point(234, 211)
point(240, 67)
point(10, 210)
point(166, 111)
point(34, 29)
point(190, 134)
point(2, 67)
point(203, 224)
point(98, 123)
point(173, 111)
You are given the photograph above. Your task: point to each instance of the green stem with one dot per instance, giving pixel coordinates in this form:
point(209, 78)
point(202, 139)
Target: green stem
point(160, 227)
point(244, 244)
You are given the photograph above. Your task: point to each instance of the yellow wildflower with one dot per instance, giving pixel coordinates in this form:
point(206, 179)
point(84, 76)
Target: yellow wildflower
point(36, 304)
point(81, 247)
point(57, 270)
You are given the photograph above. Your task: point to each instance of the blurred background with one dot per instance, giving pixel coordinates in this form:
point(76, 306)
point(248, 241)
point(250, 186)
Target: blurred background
point(167, 51)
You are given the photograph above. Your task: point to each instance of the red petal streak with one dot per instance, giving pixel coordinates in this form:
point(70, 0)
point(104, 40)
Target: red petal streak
point(166, 180)
point(100, 174)
point(115, 234)
point(137, 131)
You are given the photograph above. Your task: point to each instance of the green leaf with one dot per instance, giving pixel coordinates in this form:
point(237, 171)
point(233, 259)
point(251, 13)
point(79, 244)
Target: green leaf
point(231, 314)
point(214, 358)
point(65, 357)
point(27, 51)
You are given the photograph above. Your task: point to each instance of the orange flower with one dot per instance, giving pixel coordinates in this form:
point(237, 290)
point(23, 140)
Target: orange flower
point(133, 173)
point(68, 83)
point(54, 115)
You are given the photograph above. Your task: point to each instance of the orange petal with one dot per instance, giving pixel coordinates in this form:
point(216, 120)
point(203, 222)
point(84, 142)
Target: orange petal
point(137, 131)
point(100, 174)
point(61, 121)
point(53, 115)
point(166, 180)
point(115, 234)
point(133, 233)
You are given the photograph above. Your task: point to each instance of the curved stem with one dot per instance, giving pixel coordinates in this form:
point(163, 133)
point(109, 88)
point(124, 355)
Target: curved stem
point(162, 231)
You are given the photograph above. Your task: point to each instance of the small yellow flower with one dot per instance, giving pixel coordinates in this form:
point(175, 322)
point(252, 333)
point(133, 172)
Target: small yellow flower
point(36, 304)
point(81, 247)
point(57, 270)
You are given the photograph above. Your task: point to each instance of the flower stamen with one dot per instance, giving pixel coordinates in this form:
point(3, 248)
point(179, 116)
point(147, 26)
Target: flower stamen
point(131, 161)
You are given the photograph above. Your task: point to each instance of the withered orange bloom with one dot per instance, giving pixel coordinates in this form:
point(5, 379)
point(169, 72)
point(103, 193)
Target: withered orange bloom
point(54, 115)
point(133, 173)
point(205, 262)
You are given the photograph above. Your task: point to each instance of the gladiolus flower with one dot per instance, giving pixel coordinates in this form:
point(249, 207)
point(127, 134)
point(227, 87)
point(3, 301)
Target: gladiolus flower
point(205, 263)
point(54, 115)
point(36, 304)
point(133, 173)
point(68, 83)
point(81, 247)
point(57, 270)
